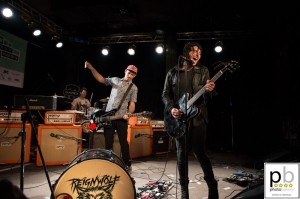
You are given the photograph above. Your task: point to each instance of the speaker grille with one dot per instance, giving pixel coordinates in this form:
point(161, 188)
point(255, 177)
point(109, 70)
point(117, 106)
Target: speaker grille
point(59, 144)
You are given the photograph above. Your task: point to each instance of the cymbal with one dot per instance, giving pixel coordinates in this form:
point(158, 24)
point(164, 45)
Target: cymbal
point(104, 100)
point(74, 111)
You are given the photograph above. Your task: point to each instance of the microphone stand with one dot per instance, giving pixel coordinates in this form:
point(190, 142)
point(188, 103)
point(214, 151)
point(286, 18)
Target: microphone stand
point(23, 148)
point(39, 148)
point(186, 160)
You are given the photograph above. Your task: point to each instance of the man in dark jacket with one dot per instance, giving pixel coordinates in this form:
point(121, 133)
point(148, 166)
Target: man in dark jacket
point(185, 118)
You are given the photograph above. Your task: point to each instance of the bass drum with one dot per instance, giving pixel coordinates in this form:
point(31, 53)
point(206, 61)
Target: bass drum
point(95, 173)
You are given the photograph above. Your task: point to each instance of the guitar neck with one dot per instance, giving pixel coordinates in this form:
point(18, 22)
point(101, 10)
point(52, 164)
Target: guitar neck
point(202, 90)
point(116, 117)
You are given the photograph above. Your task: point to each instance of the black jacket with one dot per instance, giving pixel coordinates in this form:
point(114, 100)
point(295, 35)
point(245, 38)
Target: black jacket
point(170, 97)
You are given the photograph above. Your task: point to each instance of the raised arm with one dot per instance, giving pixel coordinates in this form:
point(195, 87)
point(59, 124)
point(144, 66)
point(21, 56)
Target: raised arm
point(95, 73)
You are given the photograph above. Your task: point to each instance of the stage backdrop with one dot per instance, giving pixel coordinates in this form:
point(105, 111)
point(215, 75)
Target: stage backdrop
point(12, 59)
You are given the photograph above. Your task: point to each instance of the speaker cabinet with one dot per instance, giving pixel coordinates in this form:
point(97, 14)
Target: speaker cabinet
point(59, 144)
point(161, 141)
point(11, 143)
point(97, 140)
point(140, 141)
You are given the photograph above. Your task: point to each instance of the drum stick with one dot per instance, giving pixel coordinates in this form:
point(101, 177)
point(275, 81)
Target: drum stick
point(91, 97)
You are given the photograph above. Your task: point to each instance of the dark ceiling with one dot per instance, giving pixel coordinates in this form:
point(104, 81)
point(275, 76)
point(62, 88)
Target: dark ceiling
point(103, 18)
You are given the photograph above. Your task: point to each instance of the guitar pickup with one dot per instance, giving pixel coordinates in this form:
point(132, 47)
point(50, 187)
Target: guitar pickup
point(101, 119)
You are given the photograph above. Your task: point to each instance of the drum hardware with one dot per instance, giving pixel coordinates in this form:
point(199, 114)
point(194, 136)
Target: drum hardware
point(104, 100)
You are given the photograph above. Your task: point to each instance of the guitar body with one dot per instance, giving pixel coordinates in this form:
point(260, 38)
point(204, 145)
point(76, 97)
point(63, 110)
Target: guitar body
point(177, 127)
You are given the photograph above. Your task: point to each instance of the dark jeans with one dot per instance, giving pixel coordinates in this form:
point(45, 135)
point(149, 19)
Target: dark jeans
point(196, 136)
point(120, 126)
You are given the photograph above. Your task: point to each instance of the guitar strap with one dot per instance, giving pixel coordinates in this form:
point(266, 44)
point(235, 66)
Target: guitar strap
point(122, 100)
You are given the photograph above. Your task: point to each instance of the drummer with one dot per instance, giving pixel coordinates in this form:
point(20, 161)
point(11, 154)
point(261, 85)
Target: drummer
point(81, 103)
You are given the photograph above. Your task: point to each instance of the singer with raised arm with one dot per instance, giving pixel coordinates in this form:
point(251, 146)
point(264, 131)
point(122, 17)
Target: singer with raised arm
point(121, 102)
point(182, 82)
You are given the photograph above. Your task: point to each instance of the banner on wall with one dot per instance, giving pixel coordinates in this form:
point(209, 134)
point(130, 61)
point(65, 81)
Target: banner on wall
point(12, 59)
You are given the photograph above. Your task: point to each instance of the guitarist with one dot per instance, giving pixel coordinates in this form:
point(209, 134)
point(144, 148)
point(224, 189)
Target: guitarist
point(119, 88)
point(189, 76)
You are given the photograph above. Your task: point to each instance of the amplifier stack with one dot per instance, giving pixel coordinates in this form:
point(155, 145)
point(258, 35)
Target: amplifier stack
point(11, 130)
point(60, 139)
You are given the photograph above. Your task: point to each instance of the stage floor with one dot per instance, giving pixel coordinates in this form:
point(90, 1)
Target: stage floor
point(235, 173)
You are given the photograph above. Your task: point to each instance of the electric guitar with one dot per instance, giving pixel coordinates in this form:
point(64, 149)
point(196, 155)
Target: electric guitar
point(177, 127)
point(101, 119)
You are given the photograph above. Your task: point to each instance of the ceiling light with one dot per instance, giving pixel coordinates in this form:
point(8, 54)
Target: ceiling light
point(159, 48)
point(37, 32)
point(7, 12)
point(131, 50)
point(105, 50)
point(59, 44)
point(218, 46)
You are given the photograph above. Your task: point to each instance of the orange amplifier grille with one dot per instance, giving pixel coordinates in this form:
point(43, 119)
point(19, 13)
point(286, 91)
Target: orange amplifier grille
point(14, 116)
point(60, 117)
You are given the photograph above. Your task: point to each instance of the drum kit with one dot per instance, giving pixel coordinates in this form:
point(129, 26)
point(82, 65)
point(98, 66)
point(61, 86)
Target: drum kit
point(84, 119)
point(95, 173)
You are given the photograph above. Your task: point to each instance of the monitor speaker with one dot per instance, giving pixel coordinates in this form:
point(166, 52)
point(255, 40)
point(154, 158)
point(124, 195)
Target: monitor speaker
point(11, 143)
point(59, 144)
point(161, 141)
point(140, 141)
point(252, 192)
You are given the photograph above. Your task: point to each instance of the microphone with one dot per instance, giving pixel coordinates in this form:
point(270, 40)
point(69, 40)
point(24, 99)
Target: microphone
point(55, 136)
point(185, 60)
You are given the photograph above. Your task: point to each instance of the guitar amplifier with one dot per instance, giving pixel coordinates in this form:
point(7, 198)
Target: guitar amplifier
point(40, 102)
point(157, 124)
point(11, 143)
point(139, 121)
point(13, 116)
point(59, 144)
point(140, 141)
point(60, 117)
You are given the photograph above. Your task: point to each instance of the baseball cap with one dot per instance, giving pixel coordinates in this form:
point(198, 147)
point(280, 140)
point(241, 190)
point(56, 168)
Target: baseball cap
point(132, 68)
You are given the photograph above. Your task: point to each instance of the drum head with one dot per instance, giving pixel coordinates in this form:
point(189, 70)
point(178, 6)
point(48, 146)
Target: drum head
point(95, 178)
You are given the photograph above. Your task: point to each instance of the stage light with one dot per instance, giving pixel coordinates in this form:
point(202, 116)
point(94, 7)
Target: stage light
point(37, 32)
point(159, 48)
point(7, 12)
point(105, 50)
point(59, 44)
point(218, 46)
point(58, 41)
point(131, 50)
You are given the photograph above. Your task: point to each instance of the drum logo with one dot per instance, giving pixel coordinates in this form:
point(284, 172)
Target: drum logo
point(97, 187)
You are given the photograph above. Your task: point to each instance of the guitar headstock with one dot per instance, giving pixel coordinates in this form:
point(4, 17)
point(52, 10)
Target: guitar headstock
point(146, 113)
point(230, 66)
